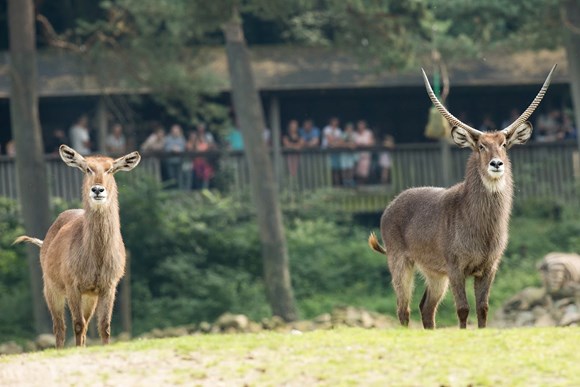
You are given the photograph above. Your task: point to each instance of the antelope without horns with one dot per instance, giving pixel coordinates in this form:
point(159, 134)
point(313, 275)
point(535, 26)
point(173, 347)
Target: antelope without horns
point(451, 234)
point(83, 255)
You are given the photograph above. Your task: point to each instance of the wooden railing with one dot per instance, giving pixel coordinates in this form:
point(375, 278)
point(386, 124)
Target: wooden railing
point(540, 170)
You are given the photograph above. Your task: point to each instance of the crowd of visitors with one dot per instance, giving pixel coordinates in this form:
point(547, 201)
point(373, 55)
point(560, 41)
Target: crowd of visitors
point(549, 126)
point(349, 168)
point(353, 157)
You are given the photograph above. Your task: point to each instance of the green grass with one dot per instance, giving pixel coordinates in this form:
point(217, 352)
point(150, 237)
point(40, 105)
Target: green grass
point(347, 356)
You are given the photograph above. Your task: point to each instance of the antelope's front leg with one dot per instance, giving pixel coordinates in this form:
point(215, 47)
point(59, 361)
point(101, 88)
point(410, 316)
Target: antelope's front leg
point(482, 287)
point(74, 298)
point(104, 313)
point(457, 281)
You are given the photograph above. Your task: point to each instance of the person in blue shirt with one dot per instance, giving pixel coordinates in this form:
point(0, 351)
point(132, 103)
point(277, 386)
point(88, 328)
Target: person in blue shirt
point(235, 139)
point(174, 146)
point(310, 134)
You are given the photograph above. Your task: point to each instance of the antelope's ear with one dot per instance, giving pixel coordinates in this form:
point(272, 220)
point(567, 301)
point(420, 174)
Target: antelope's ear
point(519, 135)
point(463, 138)
point(126, 163)
point(72, 158)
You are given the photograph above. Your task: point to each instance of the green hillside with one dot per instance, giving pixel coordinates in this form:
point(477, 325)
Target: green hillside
point(346, 356)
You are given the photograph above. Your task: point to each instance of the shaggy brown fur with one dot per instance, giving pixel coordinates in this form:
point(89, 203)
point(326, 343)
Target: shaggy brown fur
point(83, 255)
point(451, 234)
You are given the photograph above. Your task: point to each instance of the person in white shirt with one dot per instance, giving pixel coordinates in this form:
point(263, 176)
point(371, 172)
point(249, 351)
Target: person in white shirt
point(80, 137)
point(156, 140)
point(332, 138)
point(363, 137)
point(116, 142)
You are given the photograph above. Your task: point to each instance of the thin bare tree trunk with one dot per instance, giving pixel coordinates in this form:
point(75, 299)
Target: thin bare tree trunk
point(264, 188)
point(30, 163)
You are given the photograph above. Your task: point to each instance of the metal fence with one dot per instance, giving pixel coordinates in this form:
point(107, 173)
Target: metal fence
point(540, 170)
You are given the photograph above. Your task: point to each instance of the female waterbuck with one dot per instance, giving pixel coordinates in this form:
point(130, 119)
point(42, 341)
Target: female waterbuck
point(83, 255)
point(450, 234)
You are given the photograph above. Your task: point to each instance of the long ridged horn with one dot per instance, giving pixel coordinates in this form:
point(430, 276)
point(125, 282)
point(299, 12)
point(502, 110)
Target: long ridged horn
point(525, 115)
point(454, 121)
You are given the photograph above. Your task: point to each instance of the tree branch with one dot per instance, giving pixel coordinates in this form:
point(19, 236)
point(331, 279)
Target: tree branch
point(567, 22)
point(52, 37)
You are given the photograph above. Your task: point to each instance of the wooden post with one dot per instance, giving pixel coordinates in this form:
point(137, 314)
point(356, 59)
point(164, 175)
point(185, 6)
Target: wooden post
point(101, 124)
point(125, 298)
point(275, 127)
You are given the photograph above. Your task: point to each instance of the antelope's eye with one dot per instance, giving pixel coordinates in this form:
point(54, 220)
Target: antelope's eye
point(90, 171)
point(481, 147)
point(504, 144)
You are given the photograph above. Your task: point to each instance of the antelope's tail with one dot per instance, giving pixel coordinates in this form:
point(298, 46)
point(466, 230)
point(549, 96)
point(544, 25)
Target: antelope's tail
point(24, 238)
point(375, 245)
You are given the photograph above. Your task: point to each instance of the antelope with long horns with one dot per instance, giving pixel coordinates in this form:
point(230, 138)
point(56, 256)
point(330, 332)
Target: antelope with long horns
point(451, 234)
point(83, 255)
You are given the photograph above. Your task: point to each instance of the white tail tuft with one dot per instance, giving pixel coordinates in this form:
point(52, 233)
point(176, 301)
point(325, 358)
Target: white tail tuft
point(24, 238)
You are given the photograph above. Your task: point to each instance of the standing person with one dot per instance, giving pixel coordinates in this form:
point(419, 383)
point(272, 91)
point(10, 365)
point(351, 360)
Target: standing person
point(267, 137)
point(332, 138)
point(363, 137)
point(292, 140)
point(514, 114)
point(116, 143)
point(201, 141)
point(348, 159)
point(310, 134)
point(548, 125)
point(55, 140)
point(175, 146)
point(385, 161)
point(235, 140)
point(11, 149)
point(487, 125)
point(156, 140)
point(202, 133)
point(80, 137)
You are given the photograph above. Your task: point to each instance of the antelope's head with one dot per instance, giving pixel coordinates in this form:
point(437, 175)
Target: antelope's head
point(99, 187)
point(490, 147)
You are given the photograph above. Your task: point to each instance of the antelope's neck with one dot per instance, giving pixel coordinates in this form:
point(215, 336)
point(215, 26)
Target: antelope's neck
point(101, 230)
point(485, 199)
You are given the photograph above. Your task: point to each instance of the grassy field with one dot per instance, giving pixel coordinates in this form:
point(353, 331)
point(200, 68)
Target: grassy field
point(346, 356)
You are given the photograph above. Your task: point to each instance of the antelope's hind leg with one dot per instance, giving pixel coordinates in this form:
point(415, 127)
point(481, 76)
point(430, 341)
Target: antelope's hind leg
point(402, 273)
point(56, 301)
point(434, 292)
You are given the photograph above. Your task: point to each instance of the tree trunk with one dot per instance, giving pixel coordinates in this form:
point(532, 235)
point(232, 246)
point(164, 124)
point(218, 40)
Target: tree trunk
point(572, 41)
point(250, 117)
point(30, 163)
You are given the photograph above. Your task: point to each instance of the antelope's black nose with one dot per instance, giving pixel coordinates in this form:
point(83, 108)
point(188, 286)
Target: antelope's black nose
point(496, 163)
point(98, 189)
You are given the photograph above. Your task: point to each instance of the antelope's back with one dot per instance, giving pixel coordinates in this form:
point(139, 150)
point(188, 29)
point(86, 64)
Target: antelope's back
point(412, 218)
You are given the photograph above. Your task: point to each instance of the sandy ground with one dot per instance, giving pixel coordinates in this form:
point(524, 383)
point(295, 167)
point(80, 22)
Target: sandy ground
point(140, 368)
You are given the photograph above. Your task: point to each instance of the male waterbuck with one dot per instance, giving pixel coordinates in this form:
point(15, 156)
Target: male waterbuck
point(83, 255)
point(450, 234)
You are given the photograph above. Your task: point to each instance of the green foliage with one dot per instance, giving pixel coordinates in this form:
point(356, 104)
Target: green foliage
point(197, 255)
point(329, 258)
point(16, 315)
point(156, 45)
